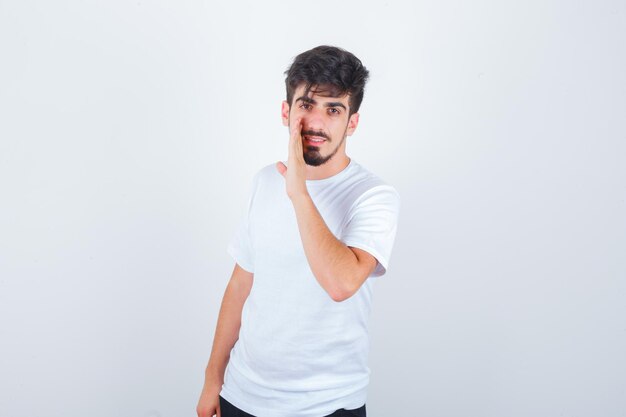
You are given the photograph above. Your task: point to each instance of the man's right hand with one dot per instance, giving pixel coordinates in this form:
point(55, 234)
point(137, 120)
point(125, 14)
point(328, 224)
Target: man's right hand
point(226, 335)
point(209, 403)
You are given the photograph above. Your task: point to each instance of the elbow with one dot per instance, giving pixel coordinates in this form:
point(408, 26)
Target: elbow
point(339, 297)
point(341, 292)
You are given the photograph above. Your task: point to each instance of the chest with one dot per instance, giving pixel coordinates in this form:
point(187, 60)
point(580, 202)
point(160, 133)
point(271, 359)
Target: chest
point(274, 223)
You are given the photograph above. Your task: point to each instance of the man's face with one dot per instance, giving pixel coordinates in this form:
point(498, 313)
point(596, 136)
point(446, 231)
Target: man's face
point(325, 124)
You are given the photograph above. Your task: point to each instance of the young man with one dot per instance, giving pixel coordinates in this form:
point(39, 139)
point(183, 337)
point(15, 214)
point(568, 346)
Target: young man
point(293, 325)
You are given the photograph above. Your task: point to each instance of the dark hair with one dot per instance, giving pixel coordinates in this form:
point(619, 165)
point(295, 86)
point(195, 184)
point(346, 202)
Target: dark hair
point(331, 70)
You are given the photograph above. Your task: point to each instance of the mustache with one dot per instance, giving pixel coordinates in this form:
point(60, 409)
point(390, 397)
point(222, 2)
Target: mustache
point(312, 133)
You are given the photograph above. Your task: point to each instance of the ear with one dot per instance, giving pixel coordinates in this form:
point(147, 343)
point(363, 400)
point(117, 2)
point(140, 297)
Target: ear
point(353, 122)
point(284, 113)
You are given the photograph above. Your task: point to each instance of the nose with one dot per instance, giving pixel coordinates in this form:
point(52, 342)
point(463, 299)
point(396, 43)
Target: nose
point(314, 120)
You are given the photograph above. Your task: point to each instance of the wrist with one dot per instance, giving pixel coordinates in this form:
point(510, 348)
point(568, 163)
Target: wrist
point(299, 196)
point(211, 380)
point(213, 376)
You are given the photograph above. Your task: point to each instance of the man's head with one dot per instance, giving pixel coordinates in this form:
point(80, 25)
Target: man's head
point(332, 71)
point(325, 86)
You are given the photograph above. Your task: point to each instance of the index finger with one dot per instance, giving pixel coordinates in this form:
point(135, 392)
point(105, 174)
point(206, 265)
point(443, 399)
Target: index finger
point(295, 142)
point(296, 127)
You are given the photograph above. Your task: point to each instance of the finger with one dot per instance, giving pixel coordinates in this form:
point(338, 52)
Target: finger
point(281, 168)
point(296, 137)
point(296, 126)
point(295, 144)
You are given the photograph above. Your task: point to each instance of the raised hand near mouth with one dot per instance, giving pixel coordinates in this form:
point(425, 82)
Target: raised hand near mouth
point(295, 172)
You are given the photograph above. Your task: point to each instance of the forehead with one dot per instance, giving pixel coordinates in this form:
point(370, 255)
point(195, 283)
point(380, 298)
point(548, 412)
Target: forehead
point(321, 93)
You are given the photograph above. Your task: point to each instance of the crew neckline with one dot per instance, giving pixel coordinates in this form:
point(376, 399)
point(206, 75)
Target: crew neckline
point(332, 178)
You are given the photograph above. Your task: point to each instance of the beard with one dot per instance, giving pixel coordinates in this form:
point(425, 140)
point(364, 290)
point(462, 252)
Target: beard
point(313, 157)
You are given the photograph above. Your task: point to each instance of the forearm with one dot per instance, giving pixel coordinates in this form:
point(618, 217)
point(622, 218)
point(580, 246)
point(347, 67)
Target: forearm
point(227, 330)
point(331, 261)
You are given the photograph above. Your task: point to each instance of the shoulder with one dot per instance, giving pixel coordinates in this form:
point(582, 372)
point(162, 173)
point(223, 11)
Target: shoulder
point(366, 184)
point(265, 174)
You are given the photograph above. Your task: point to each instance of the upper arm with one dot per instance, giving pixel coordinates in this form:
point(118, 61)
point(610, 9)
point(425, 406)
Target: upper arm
point(242, 280)
point(366, 262)
point(365, 266)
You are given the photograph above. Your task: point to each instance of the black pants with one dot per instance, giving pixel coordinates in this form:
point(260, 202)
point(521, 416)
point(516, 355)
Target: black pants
point(229, 410)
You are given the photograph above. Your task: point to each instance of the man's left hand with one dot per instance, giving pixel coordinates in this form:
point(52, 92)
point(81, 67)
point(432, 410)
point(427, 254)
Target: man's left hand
point(295, 173)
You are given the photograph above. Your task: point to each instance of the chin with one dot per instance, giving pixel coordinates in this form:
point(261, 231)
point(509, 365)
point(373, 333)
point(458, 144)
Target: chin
point(315, 162)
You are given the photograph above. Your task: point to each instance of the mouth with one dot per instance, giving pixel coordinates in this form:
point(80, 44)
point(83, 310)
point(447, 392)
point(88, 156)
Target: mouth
point(314, 140)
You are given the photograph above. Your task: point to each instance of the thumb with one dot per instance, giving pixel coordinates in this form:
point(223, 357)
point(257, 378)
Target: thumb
point(281, 168)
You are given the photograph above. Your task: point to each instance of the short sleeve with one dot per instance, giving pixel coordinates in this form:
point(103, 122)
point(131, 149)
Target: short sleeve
point(372, 223)
point(240, 246)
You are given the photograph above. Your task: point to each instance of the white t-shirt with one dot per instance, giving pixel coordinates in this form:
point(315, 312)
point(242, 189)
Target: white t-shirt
point(299, 353)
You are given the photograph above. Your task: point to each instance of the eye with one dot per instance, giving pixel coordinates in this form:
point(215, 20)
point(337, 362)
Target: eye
point(334, 111)
point(305, 105)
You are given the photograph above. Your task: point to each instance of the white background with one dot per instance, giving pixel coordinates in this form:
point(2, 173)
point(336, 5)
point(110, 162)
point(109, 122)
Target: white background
point(130, 132)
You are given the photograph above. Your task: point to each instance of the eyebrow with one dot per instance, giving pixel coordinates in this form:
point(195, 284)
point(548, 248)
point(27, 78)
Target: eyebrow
point(328, 104)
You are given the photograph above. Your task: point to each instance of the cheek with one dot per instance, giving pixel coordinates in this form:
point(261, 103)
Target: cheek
point(338, 127)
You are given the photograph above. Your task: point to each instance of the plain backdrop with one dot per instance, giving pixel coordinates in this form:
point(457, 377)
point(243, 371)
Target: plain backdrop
point(130, 132)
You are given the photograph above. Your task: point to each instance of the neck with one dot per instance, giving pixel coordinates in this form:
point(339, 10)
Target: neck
point(332, 167)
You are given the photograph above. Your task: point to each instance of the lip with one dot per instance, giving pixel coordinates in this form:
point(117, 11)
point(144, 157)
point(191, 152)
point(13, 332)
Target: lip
point(308, 139)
